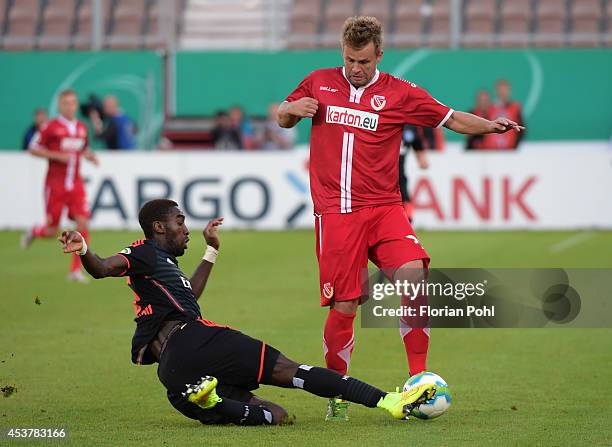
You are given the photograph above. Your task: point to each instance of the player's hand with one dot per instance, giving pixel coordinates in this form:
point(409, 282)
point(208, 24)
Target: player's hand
point(503, 125)
point(304, 107)
point(92, 157)
point(71, 241)
point(211, 236)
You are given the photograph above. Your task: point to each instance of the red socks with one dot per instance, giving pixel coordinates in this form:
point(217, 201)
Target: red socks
point(416, 342)
point(338, 341)
point(75, 264)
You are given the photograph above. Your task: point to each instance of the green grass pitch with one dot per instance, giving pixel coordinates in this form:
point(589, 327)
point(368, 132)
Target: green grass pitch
point(68, 356)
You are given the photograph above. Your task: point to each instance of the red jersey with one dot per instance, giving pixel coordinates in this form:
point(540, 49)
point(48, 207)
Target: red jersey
point(62, 135)
point(356, 136)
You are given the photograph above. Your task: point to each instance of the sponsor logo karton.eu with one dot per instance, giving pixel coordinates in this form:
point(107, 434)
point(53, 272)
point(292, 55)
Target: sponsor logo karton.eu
point(351, 117)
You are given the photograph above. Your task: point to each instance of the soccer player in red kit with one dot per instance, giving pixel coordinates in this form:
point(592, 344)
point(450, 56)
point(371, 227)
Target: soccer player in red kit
point(358, 114)
point(63, 141)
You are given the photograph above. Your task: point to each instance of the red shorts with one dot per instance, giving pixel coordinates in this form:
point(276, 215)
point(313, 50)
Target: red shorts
point(345, 242)
point(57, 198)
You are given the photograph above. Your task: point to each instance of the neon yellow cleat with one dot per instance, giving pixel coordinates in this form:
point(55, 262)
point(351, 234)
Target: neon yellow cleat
point(401, 404)
point(203, 393)
point(337, 410)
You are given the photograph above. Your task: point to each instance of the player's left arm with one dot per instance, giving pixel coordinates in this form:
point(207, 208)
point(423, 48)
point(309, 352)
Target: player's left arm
point(97, 267)
point(90, 155)
point(467, 123)
point(202, 272)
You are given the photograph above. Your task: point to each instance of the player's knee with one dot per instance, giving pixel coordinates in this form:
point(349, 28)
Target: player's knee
point(284, 371)
point(346, 307)
point(413, 271)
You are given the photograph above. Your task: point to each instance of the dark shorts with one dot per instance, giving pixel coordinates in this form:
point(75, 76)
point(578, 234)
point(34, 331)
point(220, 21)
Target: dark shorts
point(240, 363)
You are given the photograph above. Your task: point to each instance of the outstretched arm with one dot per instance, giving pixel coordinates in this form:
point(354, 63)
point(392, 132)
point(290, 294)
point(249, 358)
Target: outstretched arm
point(467, 123)
point(202, 272)
point(73, 242)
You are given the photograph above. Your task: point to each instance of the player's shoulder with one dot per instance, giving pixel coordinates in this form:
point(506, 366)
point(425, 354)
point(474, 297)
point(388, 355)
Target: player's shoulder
point(52, 124)
point(397, 82)
point(139, 246)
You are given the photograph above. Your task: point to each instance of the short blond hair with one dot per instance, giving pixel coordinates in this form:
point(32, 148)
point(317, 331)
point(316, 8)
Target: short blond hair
point(359, 31)
point(67, 92)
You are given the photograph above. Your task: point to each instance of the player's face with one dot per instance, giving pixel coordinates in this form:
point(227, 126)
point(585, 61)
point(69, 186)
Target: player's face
point(360, 65)
point(503, 91)
point(177, 233)
point(68, 105)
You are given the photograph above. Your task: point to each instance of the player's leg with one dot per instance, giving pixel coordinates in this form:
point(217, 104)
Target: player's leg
point(342, 255)
point(414, 331)
point(79, 212)
point(324, 382)
point(82, 226)
point(397, 251)
point(54, 205)
point(218, 376)
point(235, 406)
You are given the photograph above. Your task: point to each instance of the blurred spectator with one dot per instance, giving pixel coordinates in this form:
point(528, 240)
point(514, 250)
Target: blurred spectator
point(507, 108)
point(40, 118)
point(274, 136)
point(243, 125)
point(482, 108)
point(224, 134)
point(114, 127)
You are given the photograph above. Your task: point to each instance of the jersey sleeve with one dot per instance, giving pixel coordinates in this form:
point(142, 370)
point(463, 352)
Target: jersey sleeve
point(421, 109)
point(40, 139)
point(141, 259)
point(304, 89)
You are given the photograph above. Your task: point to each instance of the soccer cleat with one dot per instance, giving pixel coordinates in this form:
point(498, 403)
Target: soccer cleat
point(401, 404)
point(337, 410)
point(77, 276)
point(203, 393)
point(26, 239)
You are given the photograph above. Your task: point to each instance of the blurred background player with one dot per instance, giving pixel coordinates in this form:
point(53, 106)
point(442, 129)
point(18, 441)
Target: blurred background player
point(63, 141)
point(482, 108)
point(358, 115)
point(275, 136)
point(504, 107)
point(40, 119)
point(413, 137)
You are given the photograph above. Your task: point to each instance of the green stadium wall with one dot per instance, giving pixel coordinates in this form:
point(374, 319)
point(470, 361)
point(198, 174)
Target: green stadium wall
point(33, 79)
point(566, 94)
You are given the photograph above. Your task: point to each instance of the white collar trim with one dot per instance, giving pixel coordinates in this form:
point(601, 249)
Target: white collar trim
point(355, 95)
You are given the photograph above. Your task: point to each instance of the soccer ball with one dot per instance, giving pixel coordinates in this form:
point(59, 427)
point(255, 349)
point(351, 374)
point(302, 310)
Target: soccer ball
point(437, 406)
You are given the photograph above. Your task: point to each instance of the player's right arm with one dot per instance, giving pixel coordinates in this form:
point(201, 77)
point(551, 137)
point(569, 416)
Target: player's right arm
point(299, 104)
point(97, 267)
point(38, 148)
point(290, 113)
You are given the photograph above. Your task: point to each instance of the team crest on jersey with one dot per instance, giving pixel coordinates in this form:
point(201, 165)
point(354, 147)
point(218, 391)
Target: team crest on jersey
point(328, 290)
point(378, 102)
